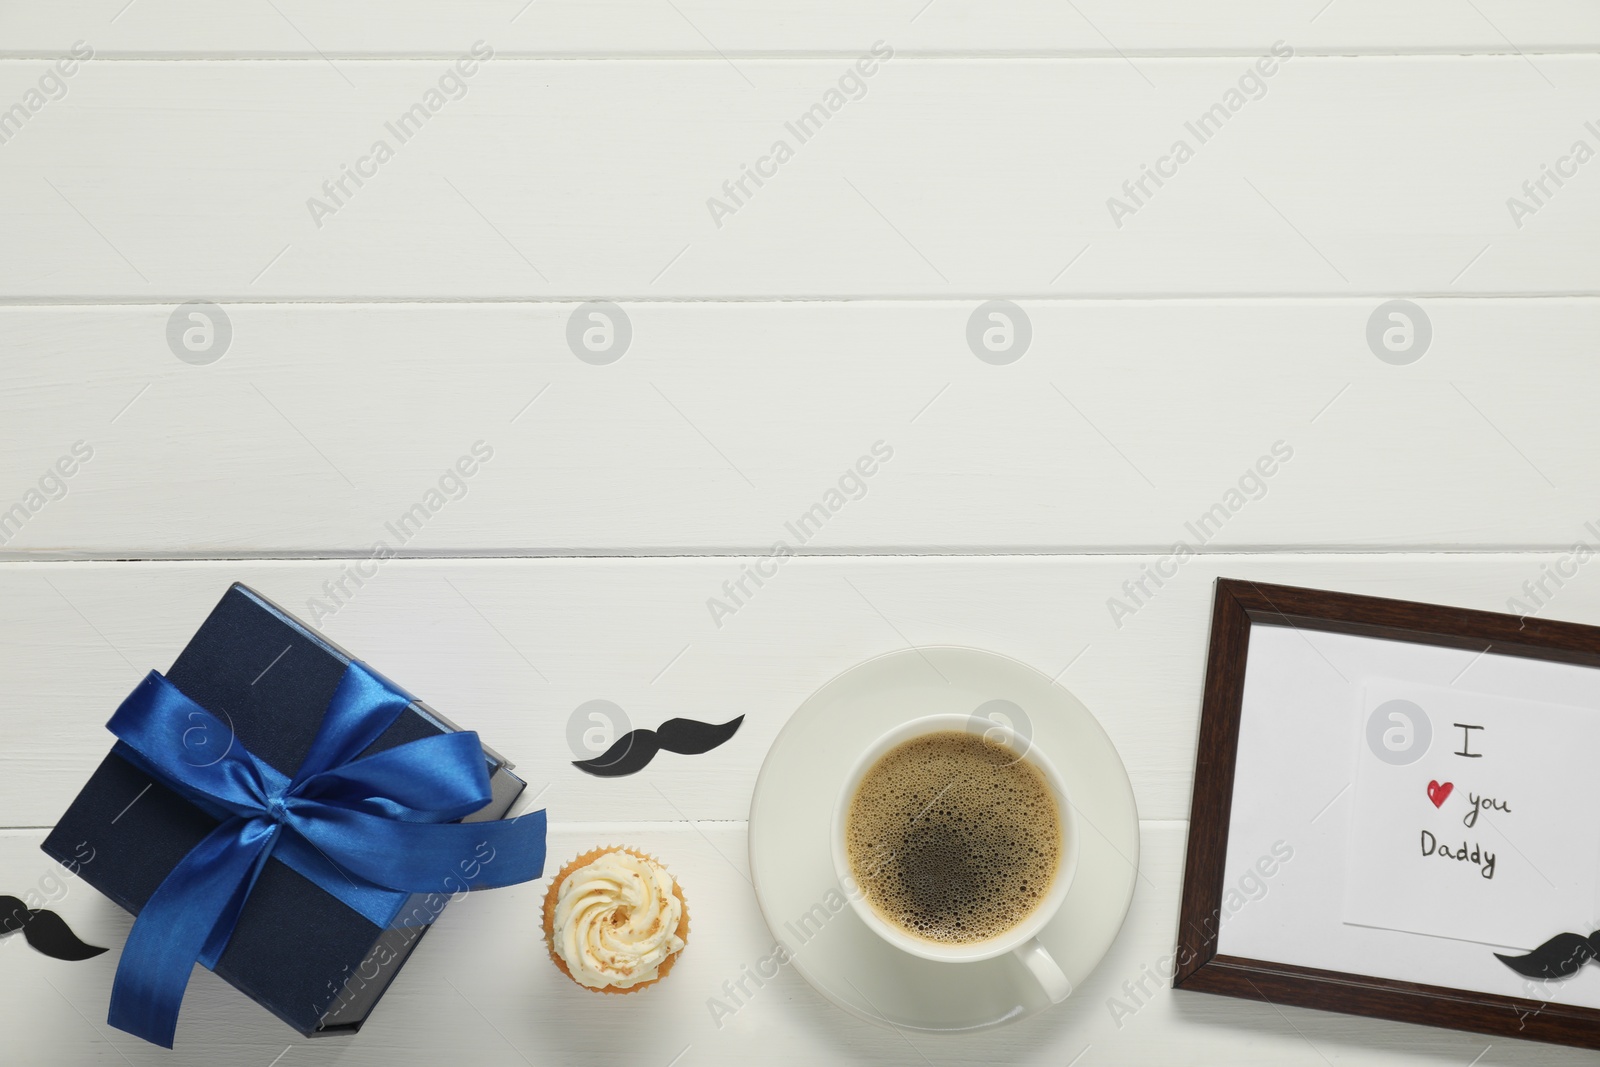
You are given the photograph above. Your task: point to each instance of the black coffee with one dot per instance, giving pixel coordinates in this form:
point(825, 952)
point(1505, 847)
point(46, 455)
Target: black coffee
point(953, 838)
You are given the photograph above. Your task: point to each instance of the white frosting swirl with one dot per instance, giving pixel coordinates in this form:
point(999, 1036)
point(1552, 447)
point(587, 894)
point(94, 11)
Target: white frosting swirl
point(617, 921)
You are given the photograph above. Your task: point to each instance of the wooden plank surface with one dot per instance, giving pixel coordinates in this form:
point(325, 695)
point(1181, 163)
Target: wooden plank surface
point(161, 181)
point(513, 648)
point(1122, 427)
point(482, 981)
point(402, 362)
point(716, 28)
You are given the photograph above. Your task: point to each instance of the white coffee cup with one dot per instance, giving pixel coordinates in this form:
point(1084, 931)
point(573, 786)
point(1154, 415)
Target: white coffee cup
point(1022, 939)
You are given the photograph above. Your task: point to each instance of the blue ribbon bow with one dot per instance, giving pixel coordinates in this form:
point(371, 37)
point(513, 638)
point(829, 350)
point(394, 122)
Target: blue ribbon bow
point(370, 831)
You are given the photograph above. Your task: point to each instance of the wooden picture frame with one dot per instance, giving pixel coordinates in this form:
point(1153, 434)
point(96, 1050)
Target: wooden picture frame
point(1238, 607)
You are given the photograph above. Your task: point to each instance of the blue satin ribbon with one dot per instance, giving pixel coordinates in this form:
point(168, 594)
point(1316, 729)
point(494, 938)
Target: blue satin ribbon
point(370, 831)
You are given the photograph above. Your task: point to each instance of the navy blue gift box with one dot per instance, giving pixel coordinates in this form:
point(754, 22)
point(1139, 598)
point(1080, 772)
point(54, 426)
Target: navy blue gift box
point(297, 950)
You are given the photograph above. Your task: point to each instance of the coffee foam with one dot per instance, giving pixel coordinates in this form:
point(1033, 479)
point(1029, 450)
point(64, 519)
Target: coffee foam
point(953, 838)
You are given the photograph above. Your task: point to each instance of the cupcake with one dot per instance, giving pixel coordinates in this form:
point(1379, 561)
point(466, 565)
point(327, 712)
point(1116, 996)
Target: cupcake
point(615, 920)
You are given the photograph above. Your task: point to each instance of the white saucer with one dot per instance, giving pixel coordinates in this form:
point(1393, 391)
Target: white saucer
point(792, 868)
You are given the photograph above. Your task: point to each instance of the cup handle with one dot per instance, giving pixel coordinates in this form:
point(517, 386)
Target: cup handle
point(1044, 969)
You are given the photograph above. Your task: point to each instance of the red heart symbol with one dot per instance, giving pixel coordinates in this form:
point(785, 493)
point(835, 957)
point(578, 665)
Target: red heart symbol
point(1439, 793)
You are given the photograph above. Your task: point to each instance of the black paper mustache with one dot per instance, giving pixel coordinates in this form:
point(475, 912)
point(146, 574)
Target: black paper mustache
point(45, 931)
point(633, 751)
point(1560, 957)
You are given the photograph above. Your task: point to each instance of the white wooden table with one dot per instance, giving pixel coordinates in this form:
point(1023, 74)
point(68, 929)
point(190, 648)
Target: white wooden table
point(373, 341)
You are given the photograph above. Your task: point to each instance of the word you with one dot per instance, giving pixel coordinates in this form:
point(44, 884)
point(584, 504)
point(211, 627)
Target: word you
point(1563, 567)
point(1565, 167)
point(451, 486)
point(52, 485)
point(1251, 486)
point(451, 85)
point(1251, 85)
point(851, 485)
point(852, 85)
point(1251, 886)
point(1481, 804)
point(51, 86)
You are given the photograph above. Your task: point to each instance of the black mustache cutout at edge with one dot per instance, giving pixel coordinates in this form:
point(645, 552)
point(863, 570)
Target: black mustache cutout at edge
point(633, 751)
point(1560, 957)
point(45, 931)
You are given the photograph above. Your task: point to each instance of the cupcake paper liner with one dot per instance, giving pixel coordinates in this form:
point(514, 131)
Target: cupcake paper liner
point(583, 860)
